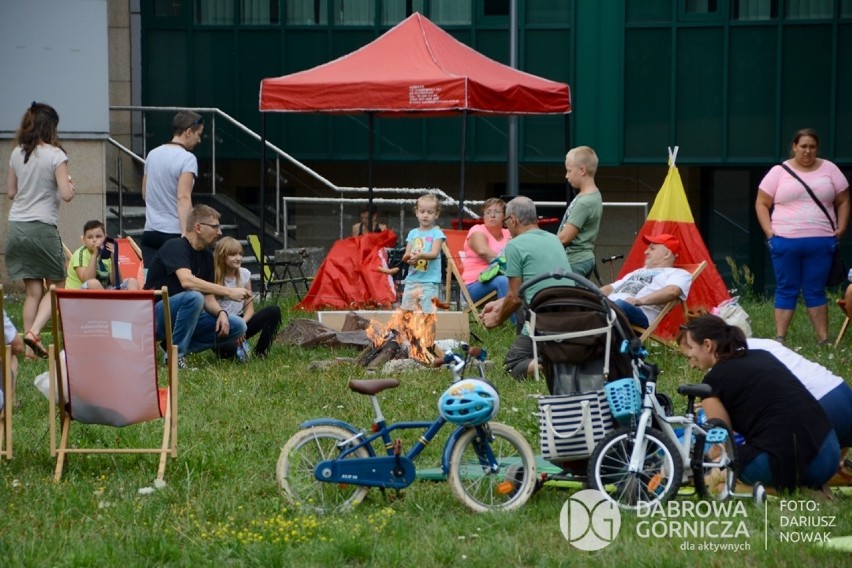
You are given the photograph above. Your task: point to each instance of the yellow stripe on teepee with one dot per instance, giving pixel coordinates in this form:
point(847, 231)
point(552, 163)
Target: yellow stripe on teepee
point(671, 203)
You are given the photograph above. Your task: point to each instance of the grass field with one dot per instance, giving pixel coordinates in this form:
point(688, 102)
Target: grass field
point(221, 505)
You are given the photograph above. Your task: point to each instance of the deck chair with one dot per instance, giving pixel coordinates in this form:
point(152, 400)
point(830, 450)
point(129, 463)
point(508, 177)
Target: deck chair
point(648, 332)
point(453, 250)
point(277, 274)
point(130, 260)
point(8, 392)
point(848, 311)
point(105, 350)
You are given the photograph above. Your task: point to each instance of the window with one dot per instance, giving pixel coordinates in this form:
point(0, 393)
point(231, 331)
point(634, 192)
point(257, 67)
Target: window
point(395, 11)
point(307, 12)
point(548, 12)
point(259, 12)
point(808, 9)
point(701, 7)
point(214, 12)
point(354, 12)
point(451, 12)
point(755, 10)
point(495, 8)
point(166, 8)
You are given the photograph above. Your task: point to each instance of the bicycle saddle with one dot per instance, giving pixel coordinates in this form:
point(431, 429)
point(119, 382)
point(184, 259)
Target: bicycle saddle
point(372, 386)
point(701, 390)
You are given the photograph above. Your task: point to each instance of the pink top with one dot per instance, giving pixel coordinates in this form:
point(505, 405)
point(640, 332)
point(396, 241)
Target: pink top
point(473, 263)
point(795, 214)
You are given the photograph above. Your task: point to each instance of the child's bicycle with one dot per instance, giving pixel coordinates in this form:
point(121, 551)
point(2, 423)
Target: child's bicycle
point(645, 463)
point(329, 465)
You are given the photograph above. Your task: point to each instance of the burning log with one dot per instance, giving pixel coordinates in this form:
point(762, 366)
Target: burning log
point(407, 334)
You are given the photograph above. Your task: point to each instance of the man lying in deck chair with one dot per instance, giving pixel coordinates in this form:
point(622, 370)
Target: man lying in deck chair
point(641, 294)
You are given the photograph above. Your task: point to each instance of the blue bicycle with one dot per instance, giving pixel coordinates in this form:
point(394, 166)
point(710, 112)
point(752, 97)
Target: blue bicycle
point(329, 465)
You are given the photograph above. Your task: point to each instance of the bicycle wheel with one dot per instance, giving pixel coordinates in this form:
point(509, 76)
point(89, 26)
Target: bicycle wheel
point(481, 489)
point(717, 477)
point(298, 461)
point(655, 483)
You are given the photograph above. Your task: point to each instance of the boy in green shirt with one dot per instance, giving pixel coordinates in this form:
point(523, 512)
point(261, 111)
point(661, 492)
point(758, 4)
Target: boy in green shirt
point(91, 265)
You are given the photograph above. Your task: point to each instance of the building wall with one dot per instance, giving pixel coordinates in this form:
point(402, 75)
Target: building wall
point(71, 55)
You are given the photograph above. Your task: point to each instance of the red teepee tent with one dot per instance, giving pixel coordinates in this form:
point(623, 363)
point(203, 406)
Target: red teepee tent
point(349, 277)
point(671, 214)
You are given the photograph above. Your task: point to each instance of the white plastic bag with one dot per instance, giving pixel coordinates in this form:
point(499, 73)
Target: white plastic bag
point(42, 381)
point(733, 313)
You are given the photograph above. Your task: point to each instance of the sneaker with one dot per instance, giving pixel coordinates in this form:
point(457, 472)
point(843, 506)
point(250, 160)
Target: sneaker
point(183, 365)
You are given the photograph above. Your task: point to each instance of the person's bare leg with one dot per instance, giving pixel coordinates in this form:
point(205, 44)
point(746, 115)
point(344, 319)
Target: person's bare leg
point(34, 292)
point(782, 321)
point(819, 321)
point(43, 314)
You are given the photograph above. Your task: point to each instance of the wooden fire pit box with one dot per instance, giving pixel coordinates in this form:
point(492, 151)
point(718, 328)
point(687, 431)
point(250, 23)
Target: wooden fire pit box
point(449, 325)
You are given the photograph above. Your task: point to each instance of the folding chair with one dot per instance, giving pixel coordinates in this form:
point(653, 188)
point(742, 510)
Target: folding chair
point(453, 249)
point(648, 332)
point(848, 311)
point(277, 274)
point(8, 392)
point(106, 354)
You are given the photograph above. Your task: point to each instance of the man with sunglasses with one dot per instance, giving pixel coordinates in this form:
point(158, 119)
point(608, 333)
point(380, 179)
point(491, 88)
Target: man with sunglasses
point(170, 172)
point(185, 266)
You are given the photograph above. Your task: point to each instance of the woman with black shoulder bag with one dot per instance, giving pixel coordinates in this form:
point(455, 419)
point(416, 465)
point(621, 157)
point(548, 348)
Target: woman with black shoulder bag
point(808, 198)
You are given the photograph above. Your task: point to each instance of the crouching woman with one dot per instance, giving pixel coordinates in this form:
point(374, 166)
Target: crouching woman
point(790, 442)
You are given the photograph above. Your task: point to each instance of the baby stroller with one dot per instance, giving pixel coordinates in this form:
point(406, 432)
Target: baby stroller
point(576, 335)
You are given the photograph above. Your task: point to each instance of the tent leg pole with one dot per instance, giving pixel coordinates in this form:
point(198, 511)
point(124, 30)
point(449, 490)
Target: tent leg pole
point(262, 186)
point(463, 164)
point(370, 143)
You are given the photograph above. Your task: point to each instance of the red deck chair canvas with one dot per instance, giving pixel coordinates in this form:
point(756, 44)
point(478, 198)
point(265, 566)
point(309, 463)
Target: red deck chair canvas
point(130, 259)
point(109, 345)
point(8, 392)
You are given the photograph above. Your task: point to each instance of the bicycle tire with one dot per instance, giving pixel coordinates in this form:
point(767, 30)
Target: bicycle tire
point(297, 463)
point(658, 481)
point(483, 491)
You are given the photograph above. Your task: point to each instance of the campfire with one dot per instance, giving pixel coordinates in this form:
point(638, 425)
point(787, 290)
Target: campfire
point(407, 335)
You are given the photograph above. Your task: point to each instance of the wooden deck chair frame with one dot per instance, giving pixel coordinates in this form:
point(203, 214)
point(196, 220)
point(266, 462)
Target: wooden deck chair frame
point(847, 311)
point(452, 250)
point(695, 271)
point(8, 393)
point(127, 327)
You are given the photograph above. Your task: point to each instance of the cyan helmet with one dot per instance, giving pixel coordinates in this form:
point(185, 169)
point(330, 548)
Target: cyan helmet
point(470, 402)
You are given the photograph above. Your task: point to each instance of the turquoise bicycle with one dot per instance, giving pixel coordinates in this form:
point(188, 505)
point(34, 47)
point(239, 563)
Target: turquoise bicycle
point(329, 465)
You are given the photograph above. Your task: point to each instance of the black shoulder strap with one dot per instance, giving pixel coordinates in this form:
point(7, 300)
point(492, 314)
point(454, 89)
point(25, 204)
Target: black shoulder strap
point(810, 192)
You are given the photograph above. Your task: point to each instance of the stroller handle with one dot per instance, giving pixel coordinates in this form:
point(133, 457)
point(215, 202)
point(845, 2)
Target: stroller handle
point(582, 281)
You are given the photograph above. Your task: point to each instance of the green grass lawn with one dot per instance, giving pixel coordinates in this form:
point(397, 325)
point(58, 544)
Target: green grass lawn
point(222, 506)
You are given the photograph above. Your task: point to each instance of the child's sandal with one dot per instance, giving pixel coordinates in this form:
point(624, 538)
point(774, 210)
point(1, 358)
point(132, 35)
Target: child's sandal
point(33, 341)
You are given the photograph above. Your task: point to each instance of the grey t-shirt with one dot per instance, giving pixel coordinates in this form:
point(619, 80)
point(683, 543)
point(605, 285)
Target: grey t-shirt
point(37, 198)
point(163, 168)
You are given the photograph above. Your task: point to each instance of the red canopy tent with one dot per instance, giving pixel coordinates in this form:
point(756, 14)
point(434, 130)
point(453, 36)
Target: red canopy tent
point(413, 69)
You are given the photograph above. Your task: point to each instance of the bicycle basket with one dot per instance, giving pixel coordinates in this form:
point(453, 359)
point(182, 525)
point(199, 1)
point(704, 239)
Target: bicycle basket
point(624, 399)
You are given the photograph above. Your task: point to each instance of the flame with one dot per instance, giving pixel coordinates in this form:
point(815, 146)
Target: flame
point(413, 330)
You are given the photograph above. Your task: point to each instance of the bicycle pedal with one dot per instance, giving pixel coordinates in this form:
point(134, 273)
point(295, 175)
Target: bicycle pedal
point(717, 436)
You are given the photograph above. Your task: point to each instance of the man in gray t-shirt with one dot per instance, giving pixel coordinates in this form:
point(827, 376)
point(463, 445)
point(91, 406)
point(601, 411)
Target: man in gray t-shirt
point(170, 172)
point(531, 252)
